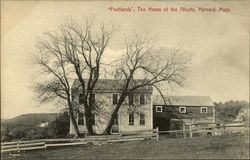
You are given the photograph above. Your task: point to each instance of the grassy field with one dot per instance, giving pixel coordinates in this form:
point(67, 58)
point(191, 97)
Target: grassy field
point(223, 147)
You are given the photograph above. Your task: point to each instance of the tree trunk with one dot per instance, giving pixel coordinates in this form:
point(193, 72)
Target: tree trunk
point(107, 131)
point(73, 120)
point(89, 123)
point(87, 108)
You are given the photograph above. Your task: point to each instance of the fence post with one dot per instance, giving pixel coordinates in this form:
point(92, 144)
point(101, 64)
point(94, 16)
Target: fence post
point(213, 131)
point(190, 131)
point(45, 147)
point(18, 147)
point(184, 130)
point(157, 131)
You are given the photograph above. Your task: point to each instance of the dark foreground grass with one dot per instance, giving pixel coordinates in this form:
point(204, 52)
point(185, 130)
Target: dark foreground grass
point(223, 147)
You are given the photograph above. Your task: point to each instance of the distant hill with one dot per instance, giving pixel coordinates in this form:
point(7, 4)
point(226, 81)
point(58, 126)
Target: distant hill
point(32, 119)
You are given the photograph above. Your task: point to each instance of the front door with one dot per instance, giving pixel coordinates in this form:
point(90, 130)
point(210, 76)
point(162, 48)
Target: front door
point(115, 126)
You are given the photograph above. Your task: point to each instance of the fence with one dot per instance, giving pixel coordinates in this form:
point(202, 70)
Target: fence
point(234, 127)
point(208, 130)
point(102, 139)
point(39, 144)
point(21, 145)
point(124, 136)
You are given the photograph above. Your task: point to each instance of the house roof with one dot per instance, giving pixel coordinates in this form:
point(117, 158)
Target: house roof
point(183, 100)
point(112, 85)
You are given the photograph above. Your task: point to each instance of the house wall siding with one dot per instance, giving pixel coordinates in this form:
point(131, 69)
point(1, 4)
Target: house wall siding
point(192, 112)
point(145, 109)
point(102, 116)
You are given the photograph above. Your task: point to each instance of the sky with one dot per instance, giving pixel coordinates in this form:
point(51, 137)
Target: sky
point(218, 43)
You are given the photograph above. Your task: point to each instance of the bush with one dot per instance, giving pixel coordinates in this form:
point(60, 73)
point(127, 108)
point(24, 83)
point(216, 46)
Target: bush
point(59, 128)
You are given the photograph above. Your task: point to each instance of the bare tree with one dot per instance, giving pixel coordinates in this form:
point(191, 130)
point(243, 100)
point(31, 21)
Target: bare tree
point(78, 49)
point(57, 84)
point(141, 61)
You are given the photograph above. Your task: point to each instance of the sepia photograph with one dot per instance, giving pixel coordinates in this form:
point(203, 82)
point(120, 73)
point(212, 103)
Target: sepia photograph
point(103, 79)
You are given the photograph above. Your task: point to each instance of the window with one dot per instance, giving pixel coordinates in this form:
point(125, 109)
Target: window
point(131, 119)
point(182, 110)
point(115, 98)
point(81, 118)
point(93, 98)
point(115, 122)
point(142, 98)
point(142, 119)
point(203, 109)
point(80, 98)
point(93, 119)
point(158, 108)
point(131, 99)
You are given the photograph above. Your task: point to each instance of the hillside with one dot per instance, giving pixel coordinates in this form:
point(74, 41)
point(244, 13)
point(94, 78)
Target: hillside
point(32, 119)
point(35, 126)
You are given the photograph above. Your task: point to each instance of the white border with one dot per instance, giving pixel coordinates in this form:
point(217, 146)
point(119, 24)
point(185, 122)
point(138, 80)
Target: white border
point(158, 107)
point(184, 108)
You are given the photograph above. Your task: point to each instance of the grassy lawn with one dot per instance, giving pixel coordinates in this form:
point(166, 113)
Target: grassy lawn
point(223, 147)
